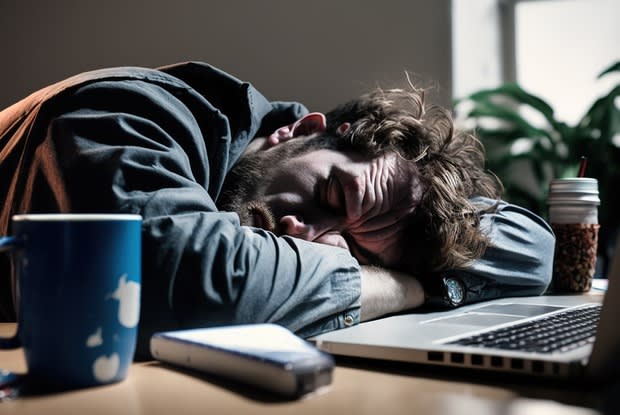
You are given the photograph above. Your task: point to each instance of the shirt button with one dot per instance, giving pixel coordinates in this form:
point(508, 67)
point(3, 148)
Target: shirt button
point(349, 320)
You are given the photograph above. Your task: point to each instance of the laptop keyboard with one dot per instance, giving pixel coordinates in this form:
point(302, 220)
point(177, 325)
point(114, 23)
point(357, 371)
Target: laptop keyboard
point(562, 332)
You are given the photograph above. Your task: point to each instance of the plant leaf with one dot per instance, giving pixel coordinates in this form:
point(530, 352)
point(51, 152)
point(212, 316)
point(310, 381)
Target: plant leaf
point(520, 96)
point(602, 114)
point(613, 127)
point(613, 68)
point(502, 113)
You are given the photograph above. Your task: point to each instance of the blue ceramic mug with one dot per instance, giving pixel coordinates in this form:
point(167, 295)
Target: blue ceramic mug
point(77, 295)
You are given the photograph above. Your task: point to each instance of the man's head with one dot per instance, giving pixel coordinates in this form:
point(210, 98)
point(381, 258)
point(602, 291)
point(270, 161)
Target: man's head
point(380, 176)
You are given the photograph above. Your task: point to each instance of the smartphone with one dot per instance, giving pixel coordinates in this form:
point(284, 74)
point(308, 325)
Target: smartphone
point(267, 356)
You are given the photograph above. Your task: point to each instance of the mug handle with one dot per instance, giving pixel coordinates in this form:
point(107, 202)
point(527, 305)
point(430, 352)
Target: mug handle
point(8, 243)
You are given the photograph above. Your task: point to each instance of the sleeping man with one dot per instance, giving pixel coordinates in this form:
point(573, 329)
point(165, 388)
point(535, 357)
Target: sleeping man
point(260, 211)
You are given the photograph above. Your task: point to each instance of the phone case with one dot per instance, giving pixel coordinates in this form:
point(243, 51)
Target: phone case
point(267, 356)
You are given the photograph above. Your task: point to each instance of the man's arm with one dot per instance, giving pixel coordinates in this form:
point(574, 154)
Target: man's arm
point(386, 291)
point(518, 262)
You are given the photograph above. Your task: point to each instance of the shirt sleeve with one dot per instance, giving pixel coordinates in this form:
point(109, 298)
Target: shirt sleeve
point(519, 261)
point(146, 154)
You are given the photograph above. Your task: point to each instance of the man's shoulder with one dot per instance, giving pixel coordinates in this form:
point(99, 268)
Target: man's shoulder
point(105, 74)
point(119, 73)
point(179, 74)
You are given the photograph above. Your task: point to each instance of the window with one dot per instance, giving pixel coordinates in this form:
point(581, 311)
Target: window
point(554, 48)
point(476, 46)
point(560, 48)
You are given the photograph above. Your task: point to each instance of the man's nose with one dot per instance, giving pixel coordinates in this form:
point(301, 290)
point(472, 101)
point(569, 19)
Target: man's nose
point(294, 225)
point(324, 233)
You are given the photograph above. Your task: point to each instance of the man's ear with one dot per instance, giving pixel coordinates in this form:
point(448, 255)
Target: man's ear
point(308, 124)
point(315, 122)
point(343, 128)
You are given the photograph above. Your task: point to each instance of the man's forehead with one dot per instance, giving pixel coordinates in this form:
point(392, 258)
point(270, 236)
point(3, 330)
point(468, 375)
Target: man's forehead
point(404, 178)
point(327, 155)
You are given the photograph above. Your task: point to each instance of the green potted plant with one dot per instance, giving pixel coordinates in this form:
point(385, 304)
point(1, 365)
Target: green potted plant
point(527, 147)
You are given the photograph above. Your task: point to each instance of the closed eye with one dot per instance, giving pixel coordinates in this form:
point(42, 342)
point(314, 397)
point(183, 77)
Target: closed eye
point(334, 194)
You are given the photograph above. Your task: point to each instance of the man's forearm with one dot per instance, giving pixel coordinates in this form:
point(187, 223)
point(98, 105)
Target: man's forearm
point(386, 291)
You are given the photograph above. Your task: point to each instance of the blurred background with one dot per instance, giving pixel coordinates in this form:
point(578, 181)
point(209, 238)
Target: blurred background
point(323, 52)
point(318, 52)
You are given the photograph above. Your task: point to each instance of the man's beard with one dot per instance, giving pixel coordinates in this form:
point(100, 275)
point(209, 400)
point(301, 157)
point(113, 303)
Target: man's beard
point(244, 187)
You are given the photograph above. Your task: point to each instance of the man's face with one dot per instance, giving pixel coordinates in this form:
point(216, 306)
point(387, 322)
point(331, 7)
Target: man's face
point(336, 198)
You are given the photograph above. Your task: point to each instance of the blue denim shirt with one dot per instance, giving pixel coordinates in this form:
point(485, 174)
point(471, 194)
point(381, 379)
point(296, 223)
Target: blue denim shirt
point(519, 261)
point(160, 143)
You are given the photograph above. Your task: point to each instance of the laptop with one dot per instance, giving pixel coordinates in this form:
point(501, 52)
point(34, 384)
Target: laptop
point(552, 335)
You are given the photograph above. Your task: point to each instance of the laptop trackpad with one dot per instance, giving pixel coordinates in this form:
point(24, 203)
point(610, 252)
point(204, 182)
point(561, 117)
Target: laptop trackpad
point(492, 314)
point(520, 310)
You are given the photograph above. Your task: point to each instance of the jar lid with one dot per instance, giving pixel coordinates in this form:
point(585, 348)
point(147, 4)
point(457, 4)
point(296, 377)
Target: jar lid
point(575, 190)
point(574, 184)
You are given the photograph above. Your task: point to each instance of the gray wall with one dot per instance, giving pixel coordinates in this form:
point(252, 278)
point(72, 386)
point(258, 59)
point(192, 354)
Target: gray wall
point(319, 52)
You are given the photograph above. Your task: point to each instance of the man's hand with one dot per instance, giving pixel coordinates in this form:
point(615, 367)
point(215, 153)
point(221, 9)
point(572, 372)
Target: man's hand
point(386, 291)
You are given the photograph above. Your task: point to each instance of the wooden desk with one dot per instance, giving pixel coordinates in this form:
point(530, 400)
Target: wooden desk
point(359, 387)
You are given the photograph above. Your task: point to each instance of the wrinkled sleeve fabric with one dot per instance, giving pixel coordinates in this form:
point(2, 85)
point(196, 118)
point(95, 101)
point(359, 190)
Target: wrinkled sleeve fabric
point(140, 147)
point(519, 261)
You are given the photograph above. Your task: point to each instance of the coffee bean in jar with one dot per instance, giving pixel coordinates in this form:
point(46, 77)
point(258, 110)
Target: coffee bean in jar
point(575, 256)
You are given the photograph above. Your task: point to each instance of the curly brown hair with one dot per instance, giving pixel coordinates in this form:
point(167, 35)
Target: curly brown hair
point(444, 231)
